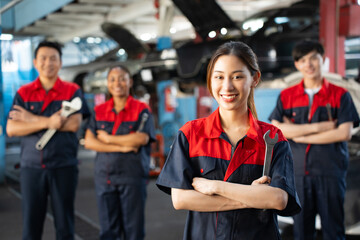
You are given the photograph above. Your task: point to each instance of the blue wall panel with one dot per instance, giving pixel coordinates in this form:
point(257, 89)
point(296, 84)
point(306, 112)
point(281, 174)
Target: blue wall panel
point(265, 102)
point(28, 11)
point(2, 127)
point(7, 18)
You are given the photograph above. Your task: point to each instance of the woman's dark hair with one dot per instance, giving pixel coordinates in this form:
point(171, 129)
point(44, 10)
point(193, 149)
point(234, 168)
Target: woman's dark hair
point(304, 47)
point(122, 67)
point(125, 69)
point(57, 46)
point(246, 55)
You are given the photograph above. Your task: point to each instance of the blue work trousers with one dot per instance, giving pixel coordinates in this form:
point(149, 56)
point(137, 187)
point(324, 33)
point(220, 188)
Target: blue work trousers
point(324, 196)
point(121, 211)
point(39, 184)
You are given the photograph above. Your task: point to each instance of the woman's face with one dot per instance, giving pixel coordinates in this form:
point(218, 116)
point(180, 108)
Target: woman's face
point(119, 83)
point(231, 82)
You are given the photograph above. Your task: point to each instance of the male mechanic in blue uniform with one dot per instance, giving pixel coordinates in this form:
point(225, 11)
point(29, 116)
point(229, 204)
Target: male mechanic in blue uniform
point(318, 141)
point(51, 171)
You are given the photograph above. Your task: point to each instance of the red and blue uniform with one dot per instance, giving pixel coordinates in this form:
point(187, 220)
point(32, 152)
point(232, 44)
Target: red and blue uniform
point(202, 149)
point(53, 170)
point(120, 178)
point(320, 169)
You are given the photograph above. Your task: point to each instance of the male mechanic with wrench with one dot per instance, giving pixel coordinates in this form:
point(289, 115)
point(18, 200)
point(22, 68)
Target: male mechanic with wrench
point(51, 171)
point(317, 117)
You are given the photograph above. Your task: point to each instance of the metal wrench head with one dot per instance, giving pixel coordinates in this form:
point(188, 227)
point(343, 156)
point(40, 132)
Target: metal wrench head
point(268, 140)
point(269, 143)
point(68, 108)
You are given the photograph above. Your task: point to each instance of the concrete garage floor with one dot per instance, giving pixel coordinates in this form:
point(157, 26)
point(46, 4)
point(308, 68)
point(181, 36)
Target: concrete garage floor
point(162, 221)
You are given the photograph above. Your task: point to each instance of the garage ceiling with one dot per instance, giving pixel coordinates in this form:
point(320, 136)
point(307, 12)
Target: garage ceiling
point(146, 19)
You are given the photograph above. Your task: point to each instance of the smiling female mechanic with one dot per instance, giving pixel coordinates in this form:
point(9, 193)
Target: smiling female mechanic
point(122, 141)
point(214, 168)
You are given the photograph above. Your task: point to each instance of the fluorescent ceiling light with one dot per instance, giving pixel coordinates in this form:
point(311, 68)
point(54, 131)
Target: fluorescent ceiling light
point(173, 30)
point(6, 37)
point(121, 51)
point(212, 34)
point(76, 39)
point(223, 31)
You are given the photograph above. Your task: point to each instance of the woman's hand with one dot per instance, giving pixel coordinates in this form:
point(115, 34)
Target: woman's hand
point(126, 149)
point(204, 185)
point(103, 136)
point(209, 187)
point(263, 180)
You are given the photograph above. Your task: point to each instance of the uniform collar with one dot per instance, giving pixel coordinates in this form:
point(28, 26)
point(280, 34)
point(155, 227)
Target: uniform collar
point(323, 90)
point(57, 86)
point(214, 128)
point(254, 131)
point(110, 106)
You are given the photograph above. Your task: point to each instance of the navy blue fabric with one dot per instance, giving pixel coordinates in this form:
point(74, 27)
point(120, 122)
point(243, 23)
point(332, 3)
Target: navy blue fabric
point(181, 167)
point(121, 211)
point(120, 178)
point(36, 185)
point(117, 167)
point(319, 194)
point(53, 170)
point(321, 159)
point(61, 150)
point(320, 169)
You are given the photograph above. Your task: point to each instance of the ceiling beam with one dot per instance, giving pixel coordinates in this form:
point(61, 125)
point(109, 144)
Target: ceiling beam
point(76, 16)
point(109, 2)
point(119, 15)
point(166, 17)
point(50, 24)
point(86, 8)
point(65, 22)
point(45, 30)
point(131, 12)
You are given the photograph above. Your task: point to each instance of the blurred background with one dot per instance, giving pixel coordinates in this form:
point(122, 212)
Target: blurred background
point(167, 44)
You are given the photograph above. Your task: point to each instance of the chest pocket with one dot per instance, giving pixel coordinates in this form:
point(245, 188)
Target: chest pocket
point(106, 126)
point(208, 168)
point(298, 115)
point(125, 128)
point(322, 114)
point(34, 107)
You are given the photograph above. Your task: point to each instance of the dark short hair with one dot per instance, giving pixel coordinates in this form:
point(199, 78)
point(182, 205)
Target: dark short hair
point(304, 47)
point(122, 67)
point(57, 46)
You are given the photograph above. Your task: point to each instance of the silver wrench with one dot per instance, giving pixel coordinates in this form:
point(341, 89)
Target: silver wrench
point(67, 108)
point(144, 117)
point(270, 143)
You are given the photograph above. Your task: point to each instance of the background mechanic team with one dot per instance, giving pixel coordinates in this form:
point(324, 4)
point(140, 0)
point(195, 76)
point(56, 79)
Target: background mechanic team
point(40, 102)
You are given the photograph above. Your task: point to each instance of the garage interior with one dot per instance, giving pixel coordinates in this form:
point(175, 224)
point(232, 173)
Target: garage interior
point(166, 44)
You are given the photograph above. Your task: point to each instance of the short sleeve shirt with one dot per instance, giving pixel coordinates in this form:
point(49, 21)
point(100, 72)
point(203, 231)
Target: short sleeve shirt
point(117, 167)
point(317, 159)
point(61, 150)
point(202, 149)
